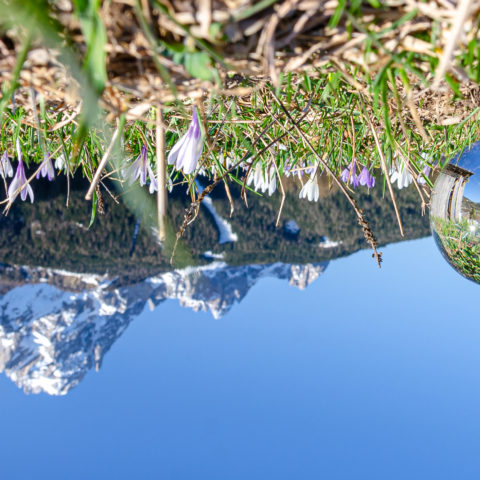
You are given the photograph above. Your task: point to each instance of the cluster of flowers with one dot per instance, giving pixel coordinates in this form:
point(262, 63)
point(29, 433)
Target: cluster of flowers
point(399, 173)
point(184, 155)
point(19, 184)
point(266, 181)
point(299, 169)
point(310, 189)
point(263, 181)
point(349, 174)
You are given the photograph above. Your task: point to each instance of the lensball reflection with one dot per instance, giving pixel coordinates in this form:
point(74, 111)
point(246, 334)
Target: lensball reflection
point(455, 214)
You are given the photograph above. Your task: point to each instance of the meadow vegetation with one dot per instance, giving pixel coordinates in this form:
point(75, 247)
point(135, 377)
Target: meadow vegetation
point(290, 94)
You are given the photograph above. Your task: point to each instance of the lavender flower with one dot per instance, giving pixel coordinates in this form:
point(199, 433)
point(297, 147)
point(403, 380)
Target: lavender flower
point(425, 173)
point(187, 151)
point(310, 170)
point(19, 183)
point(291, 168)
point(140, 168)
point(426, 170)
point(6, 169)
point(349, 173)
point(344, 175)
point(299, 169)
point(46, 169)
point(366, 179)
point(287, 169)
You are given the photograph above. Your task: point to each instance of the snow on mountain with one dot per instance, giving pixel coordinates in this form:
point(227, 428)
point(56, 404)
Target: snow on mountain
point(225, 231)
point(52, 334)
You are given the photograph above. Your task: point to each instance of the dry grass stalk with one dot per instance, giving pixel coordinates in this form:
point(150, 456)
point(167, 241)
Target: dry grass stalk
point(161, 175)
point(461, 15)
point(387, 175)
point(367, 231)
point(102, 164)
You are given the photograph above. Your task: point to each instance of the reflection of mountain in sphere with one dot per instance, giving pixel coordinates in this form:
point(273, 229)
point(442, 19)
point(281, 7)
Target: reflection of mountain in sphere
point(455, 214)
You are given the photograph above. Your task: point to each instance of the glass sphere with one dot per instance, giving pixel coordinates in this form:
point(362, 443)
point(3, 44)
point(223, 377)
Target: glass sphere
point(455, 213)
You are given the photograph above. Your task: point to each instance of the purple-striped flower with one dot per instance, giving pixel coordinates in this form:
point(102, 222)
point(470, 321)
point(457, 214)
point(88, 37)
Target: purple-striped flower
point(287, 169)
point(426, 170)
point(366, 179)
point(425, 174)
point(6, 169)
point(19, 183)
point(141, 168)
point(299, 169)
point(187, 151)
point(344, 175)
point(46, 169)
point(349, 173)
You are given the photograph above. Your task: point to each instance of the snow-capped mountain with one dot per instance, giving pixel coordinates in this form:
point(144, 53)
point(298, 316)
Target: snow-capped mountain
point(55, 326)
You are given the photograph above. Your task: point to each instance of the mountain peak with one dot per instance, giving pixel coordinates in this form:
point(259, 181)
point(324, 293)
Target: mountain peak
point(53, 332)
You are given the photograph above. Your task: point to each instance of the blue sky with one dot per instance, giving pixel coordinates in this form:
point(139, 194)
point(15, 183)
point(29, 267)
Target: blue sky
point(366, 374)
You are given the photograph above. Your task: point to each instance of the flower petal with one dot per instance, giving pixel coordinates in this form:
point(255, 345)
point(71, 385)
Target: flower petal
point(6, 169)
point(60, 162)
point(173, 155)
point(29, 191)
point(132, 172)
point(272, 184)
point(189, 157)
point(302, 192)
point(12, 189)
point(50, 169)
point(19, 150)
point(18, 181)
point(24, 192)
point(153, 181)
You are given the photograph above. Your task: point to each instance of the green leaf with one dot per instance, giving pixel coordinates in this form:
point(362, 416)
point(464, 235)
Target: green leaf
point(178, 58)
point(215, 31)
point(94, 209)
point(199, 65)
point(173, 47)
point(81, 6)
point(253, 10)
point(337, 14)
point(307, 83)
point(453, 85)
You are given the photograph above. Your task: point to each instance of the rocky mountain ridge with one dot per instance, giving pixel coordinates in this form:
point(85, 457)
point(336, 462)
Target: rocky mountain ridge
point(54, 331)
